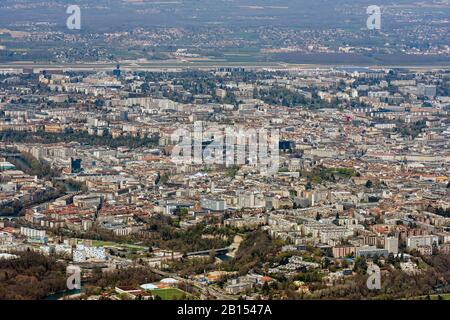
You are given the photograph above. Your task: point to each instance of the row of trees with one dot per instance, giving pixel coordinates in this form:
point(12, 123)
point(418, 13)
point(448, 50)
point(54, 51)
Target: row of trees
point(16, 207)
point(165, 234)
point(34, 167)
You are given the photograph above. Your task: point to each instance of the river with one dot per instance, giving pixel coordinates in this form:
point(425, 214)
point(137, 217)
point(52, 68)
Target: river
point(59, 295)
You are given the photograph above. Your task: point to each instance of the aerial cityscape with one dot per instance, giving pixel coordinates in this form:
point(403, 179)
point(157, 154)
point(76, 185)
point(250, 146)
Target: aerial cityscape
point(225, 150)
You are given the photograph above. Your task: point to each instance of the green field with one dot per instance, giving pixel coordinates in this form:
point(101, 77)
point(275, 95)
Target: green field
point(169, 294)
point(97, 243)
point(444, 296)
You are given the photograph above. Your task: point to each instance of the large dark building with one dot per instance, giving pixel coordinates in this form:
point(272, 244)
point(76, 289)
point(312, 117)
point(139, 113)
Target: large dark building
point(75, 165)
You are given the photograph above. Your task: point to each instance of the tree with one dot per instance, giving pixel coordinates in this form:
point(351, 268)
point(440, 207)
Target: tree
point(265, 288)
point(435, 249)
point(375, 259)
point(391, 258)
point(369, 184)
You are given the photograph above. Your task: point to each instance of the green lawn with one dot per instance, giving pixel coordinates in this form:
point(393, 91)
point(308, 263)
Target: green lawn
point(97, 243)
point(169, 294)
point(444, 296)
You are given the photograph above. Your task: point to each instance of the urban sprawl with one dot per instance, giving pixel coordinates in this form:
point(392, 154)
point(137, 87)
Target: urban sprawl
point(129, 176)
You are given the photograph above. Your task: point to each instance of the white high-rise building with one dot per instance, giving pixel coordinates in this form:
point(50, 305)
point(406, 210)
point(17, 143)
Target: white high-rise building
point(415, 242)
point(83, 253)
point(391, 244)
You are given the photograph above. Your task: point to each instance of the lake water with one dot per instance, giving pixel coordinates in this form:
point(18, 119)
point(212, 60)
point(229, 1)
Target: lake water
point(223, 257)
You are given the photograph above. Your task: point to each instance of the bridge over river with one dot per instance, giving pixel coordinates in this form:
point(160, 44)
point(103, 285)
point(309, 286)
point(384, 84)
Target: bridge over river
point(207, 252)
